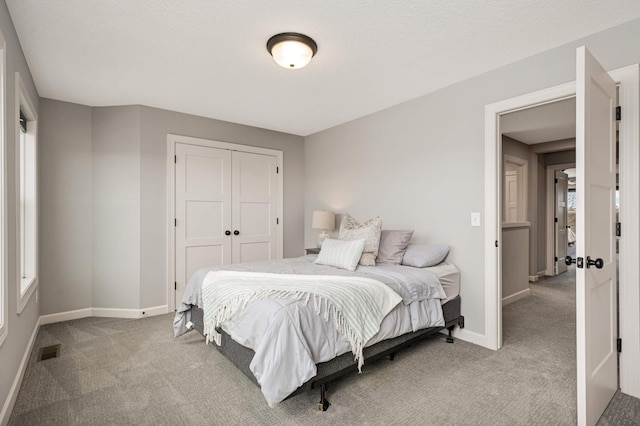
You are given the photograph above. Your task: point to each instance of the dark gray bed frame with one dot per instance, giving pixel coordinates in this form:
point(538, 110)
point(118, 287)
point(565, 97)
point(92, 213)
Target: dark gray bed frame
point(344, 364)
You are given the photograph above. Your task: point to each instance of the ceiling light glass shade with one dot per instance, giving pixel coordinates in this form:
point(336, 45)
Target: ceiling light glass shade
point(292, 50)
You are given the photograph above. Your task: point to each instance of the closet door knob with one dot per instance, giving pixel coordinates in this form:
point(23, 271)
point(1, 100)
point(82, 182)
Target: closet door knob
point(236, 232)
point(227, 232)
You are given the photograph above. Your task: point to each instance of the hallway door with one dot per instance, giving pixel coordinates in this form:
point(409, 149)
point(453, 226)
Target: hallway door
point(596, 312)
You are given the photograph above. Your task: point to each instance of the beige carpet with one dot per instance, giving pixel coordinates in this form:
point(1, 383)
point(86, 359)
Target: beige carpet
point(132, 372)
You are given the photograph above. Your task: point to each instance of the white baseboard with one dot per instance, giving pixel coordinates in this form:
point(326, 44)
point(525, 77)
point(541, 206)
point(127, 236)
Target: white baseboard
point(536, 277)
point(17, 382)
point(104, 313)
point(65, 316)
point(516, 296)
point(155, 311)
point(130, 313)
point(469, 336)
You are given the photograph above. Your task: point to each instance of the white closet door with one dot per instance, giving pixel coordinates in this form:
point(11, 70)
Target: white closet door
point(255, 200)
point(203, 210)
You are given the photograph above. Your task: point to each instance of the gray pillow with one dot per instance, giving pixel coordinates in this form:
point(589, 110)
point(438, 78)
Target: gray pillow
point(392, 246)
point(424, 255)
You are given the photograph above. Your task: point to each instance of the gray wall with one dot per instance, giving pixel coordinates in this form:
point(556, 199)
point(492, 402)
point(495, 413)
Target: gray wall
point(515, 260)
point(111, 165)
point(20, 327)
point(116, 207)
point(420, 164)
point(66, 234)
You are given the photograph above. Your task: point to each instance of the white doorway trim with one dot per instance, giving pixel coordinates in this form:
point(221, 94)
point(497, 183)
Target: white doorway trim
point(629, 136)
point(172, 140)
point(493, 201)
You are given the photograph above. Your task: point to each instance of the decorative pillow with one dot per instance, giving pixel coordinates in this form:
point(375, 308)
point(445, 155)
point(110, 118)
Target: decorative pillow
point(392, 246)
point(423, 255)
point(341, 254)
point(351, 229)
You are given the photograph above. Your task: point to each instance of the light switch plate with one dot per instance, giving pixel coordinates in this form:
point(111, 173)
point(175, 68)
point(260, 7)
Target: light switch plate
point(475, 218)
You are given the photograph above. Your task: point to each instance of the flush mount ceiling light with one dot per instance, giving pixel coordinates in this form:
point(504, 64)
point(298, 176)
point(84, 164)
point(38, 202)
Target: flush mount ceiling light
point(292, 50)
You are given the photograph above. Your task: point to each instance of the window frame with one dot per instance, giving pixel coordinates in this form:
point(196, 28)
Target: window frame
point(4, 286)
point(26, 286)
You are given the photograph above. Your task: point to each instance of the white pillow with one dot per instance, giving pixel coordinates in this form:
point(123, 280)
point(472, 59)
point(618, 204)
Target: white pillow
point(340, 253)
point(351, 229)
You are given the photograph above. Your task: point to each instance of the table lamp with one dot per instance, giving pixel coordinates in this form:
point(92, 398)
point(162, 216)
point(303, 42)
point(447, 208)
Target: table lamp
point(325, 221)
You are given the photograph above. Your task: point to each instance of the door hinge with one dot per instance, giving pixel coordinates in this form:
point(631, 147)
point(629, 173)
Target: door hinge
point(175, 222)
point(618, 113)
point(619, 343)
point(556, 180)
point(277, 170)
point(556, 258)
point(618, 229)
point(175, 285)
point(555, 219)
point(277, 221)
point(175, 159)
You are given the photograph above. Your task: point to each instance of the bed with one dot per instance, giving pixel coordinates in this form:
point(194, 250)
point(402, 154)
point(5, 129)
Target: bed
point(316, 350)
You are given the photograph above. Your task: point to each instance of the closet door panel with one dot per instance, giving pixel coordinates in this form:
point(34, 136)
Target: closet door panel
point(203, 211)
point(254, 201)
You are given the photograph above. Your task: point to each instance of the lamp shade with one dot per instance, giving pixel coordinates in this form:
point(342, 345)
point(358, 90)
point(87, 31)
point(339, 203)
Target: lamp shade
point(323, 220)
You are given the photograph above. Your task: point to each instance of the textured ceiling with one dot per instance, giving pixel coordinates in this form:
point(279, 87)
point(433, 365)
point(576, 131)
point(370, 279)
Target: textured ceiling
point(545, 123)
point(208, 57)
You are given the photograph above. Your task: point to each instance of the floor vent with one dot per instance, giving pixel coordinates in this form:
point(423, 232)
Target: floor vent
point(49, 352)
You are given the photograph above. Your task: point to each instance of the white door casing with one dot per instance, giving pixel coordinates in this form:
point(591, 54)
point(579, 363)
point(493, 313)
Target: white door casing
point(629, 139)
point(202, 211)
point(596, 312)
point(254, 201)
point(560, 234)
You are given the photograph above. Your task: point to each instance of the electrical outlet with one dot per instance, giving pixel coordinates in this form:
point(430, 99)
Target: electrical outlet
point(475, 218)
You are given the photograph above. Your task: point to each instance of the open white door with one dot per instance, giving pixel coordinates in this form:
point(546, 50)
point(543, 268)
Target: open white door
point(596, 330)
point(561, 236)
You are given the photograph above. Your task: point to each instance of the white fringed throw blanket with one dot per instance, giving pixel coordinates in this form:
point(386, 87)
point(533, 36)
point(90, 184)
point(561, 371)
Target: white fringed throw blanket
point(357, 305)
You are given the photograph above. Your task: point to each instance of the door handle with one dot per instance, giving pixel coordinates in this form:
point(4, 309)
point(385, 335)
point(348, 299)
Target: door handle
point(227, 232)
point(598, 263)
point(236, 232)
point(578, 261)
